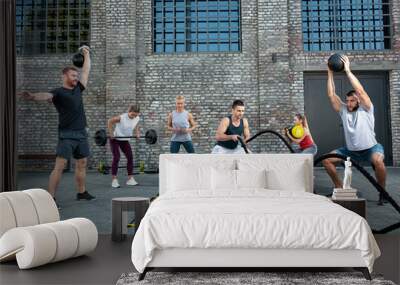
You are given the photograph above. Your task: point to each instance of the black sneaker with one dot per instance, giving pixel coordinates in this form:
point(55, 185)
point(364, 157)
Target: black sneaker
point(84, 196)
point(382, 200)
point(57, 205)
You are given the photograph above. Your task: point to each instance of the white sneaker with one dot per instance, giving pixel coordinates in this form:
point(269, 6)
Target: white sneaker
point(131, 182)
point(115, 183)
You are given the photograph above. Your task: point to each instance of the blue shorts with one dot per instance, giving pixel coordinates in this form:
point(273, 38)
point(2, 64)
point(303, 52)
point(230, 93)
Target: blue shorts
point(77, 148)
point(313, 149)
point(361, 155)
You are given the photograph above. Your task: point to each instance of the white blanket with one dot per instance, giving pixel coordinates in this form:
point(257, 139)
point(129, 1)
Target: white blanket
point(250, 219)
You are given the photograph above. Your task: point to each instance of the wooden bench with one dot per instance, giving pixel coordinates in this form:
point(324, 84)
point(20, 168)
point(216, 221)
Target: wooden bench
point(43, 156)
point(38, 156)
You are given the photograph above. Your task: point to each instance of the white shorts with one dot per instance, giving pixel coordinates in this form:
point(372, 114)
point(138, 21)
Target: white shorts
point(223, 150)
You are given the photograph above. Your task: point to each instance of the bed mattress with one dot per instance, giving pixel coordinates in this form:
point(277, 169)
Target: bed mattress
point(250, 219)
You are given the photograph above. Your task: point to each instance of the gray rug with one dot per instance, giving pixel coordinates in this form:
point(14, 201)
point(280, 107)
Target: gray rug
point(269, 278)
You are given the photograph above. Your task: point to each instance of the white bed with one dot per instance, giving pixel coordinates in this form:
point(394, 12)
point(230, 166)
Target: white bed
point(247, 211)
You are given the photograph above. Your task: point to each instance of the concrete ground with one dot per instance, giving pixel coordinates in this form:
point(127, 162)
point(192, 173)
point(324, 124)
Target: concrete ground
point(111, 259)
point(378, 217)
point(99, 210)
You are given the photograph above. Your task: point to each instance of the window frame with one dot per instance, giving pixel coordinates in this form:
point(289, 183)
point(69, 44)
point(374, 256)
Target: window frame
point(336, 41)
point(51, 44)
point(188, 41)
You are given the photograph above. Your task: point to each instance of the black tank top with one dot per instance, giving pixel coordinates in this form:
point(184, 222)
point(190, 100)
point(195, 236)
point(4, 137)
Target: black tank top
point(232, 130)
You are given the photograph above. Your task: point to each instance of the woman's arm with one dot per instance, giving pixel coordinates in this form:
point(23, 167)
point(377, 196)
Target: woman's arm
point(169, 123)
point(137, 131)
point(305, 122)
point(110, 125)
point(192, 123)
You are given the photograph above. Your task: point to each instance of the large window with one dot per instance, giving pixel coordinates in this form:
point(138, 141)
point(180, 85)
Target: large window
point(346, 25)
point(196, 26)
point(51, 26)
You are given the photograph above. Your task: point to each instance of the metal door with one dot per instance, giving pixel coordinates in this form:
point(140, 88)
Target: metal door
point(325, 123)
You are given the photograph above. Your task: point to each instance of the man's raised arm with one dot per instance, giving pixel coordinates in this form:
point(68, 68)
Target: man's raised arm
point(335, 100)
point(39, 96)
point(362, 95)
point(86, 67)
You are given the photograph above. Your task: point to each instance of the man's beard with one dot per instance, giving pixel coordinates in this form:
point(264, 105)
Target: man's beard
point(355, 108)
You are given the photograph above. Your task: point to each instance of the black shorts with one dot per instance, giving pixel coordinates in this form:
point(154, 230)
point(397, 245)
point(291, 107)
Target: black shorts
point(77, 148)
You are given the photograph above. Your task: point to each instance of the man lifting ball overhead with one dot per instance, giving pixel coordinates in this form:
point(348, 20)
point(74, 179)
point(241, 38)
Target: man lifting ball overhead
point(358, 120)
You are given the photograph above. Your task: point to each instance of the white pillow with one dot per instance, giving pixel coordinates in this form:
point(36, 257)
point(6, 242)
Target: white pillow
point(251, 178)
point(224, 164)
point(223, 179)
point(182, 177)
point(289, 180)
point(283, 174)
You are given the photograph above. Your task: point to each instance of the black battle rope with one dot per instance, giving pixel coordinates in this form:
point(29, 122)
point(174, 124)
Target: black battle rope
point(243, 144)
point(264, 132)
point(366, 174)
point(372, 180)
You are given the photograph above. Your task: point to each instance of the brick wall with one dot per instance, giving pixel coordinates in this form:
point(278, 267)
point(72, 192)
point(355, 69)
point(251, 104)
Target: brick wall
point(388, 60)
point(267, 74)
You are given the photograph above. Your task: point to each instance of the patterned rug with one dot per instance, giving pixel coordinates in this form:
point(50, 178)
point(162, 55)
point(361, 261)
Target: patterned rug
point(243, 278)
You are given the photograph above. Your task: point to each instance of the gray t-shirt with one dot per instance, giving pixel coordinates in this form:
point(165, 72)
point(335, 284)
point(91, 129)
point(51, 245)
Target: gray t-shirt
point(180, 120)
point(358, 128)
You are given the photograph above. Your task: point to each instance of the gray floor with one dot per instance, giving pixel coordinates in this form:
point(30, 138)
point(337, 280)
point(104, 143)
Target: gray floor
point(103, 266)
point(110, 260)
point(106, 264)
point(99, 185)
point(377, 216)
point(99, 210)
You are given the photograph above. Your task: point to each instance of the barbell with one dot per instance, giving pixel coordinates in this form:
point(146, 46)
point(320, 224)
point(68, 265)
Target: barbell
point(100, 137)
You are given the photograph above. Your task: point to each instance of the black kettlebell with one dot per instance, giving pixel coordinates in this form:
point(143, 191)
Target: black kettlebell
point(335, 62)
point(78, 60)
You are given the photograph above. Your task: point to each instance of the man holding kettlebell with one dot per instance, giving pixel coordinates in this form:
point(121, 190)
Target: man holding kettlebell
point(72, 134)
point(358, 120)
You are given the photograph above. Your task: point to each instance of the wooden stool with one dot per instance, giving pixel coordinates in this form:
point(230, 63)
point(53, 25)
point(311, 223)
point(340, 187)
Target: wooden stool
point(120, 208)
point(357, 205)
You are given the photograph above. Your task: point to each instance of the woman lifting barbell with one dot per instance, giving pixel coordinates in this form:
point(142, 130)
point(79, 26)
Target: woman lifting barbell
point(125, 124)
